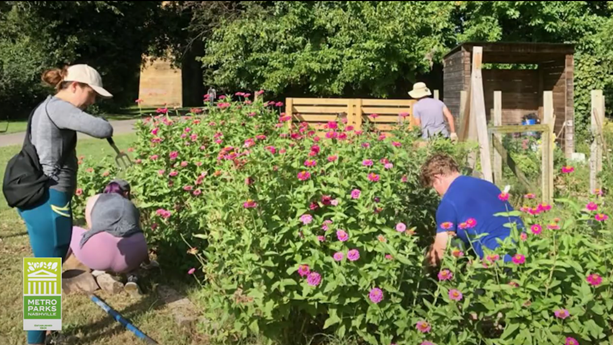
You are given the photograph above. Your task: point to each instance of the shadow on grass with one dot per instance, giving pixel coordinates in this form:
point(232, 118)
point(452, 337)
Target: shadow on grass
point(150, 301)
point(19, 234)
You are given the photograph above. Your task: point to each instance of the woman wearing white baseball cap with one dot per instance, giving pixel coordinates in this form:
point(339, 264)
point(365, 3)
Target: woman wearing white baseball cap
point(52, 131)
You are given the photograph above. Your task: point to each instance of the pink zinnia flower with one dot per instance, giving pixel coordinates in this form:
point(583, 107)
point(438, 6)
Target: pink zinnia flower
point(571, 341)
point(594, 279)
point(601, 217)
point(561, 313)
point(332, 125)
point(553, 227)
point(396, 144)
point(503, 196)
point(567, 169)
point(519, 259)
point(367, 162)
point(332, 158)
point(455, 295)
point(389, 166)
point(493, 257)
point(174, 155)
point(304, 270)
point(355, 193)
point(250, 204)
point(423, 326)
point(376, 295)
point(310, 163)
point(353, 255)
point(342, 235)
point(191, 271)
point(338, 256)
point(197, 192)
point(389, 257)
point(173, 173)
point(184, 164)
point(373, 177)
point(153, 157)
point(306, 219)
point(591, 206)
point(536, 229)
point(523, 236)
point(304, 175)
point(314, 279)
point(188, 188)
point(155, 131)
point(445, 275)
point(321, 238)
point(400, 227)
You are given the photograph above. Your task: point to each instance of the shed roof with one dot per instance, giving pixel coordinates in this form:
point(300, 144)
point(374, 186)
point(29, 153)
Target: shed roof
point(517, 52)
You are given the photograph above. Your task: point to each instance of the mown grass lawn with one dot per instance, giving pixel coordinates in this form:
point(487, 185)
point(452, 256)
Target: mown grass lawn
point(82, 319)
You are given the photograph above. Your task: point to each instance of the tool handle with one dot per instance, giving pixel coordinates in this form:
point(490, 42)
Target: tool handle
point(111, 141)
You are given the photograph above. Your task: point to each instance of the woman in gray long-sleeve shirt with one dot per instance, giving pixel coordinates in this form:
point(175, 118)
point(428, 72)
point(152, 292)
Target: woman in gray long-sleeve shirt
point(55, 124)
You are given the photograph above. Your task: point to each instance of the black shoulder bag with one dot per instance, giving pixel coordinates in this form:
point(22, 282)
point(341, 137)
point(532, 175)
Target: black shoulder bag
point(25, 183)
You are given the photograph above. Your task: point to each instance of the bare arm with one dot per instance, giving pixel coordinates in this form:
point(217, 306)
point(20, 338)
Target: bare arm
point(437, 250)
point(449, 117)
point(88, 210)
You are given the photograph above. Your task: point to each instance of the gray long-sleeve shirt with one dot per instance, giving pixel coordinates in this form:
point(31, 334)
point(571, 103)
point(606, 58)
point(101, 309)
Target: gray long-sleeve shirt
point(54, 125)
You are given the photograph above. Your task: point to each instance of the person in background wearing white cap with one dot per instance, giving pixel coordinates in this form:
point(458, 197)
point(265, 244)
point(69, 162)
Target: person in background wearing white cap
point(55, 123)
point(430, 114)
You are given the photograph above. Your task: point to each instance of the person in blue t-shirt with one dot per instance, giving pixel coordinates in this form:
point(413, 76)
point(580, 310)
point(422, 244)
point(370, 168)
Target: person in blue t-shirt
point(467, 210)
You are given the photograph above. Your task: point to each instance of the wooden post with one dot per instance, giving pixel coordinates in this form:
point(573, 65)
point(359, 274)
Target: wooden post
point(357, 114)
point(497, 117)
point(547, 148)
point(436, 94)
point(597, 116)
point(289, 111)
point(477, 114)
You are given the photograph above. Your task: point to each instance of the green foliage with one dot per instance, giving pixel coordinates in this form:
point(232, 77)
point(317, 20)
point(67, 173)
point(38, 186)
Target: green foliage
point(329, 48)
point(109, 35)
point(230, 188)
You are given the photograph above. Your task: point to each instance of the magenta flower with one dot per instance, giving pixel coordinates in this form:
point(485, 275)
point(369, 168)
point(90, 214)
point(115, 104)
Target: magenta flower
point(332, 158)
point(250, 204)
point(191, 271)
point(304, 175)
point(455, 295)
point(373, 177)
point(304, 270)
point(601, 217)
point(445, 275)
point(197, 192)
point(536, 229)
point(355, 193)
point(425, 342)
point(174, 155)
point(423, 326)
point(367, 163)
point(306, 219)
point(314, 279)
point(376, 295)
point(519, 259)
point(571, 341)
point(321, 238)
point(594, 279)
point(342, 235)
point(155, 131)
point(310, 163)
point(523, 236)
point(561, 313)
point(353, 255)
point(591, 206)
point(400, 227)
point(338, 256)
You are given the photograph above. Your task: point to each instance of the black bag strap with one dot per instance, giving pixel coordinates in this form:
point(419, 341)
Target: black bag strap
point(28, 141)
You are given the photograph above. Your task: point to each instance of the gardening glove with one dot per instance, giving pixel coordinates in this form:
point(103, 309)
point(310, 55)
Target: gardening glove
point(152, 264)
point(453, 137)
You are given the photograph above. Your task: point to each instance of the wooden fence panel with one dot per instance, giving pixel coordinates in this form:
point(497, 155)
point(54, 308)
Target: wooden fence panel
point(318, 111)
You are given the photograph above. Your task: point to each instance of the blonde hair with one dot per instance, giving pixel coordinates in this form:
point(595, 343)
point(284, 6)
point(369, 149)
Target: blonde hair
point(437, 164)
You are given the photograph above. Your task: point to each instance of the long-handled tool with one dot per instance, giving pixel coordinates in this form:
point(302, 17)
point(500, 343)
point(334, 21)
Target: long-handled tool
point(121, 157)
point(121, 320)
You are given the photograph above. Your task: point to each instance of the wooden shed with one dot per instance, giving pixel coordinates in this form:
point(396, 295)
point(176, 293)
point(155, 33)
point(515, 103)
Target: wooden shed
point(530, 69)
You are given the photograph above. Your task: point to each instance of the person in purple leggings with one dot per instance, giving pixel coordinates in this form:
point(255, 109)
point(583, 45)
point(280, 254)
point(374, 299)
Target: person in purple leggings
point(114, 241)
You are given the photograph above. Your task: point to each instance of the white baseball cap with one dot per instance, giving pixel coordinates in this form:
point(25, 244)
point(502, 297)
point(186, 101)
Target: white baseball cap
point(87, 75)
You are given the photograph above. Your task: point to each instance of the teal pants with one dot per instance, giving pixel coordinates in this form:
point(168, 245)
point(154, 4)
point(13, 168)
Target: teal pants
point(49, 227)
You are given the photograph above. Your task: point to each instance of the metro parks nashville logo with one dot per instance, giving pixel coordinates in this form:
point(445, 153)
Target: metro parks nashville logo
point(42, 293)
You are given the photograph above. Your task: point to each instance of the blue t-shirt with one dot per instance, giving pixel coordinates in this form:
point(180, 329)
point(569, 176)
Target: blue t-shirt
point(468, 208)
